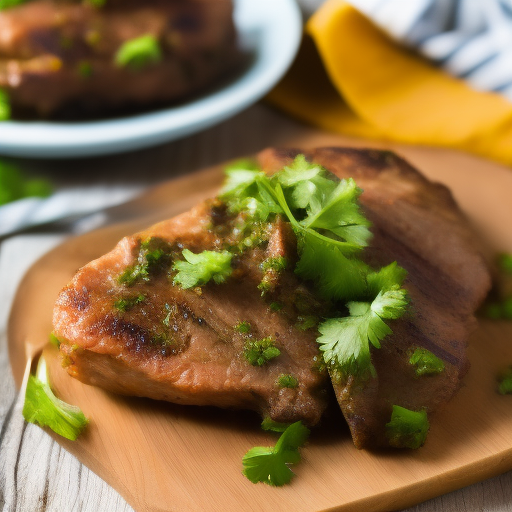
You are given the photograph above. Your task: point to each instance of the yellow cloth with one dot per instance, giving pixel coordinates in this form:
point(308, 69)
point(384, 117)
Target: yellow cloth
point(365, 84)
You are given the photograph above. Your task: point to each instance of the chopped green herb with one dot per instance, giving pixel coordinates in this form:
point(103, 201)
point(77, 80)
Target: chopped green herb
point(407, 429)
point(271, 268)
point(507, 308)
point(161, 339)
point(14, 185)
point(125, 304)
point(260, 352)
point(139, 52)
point(37, 188)
point(85, 69)
point(199, 269)
point(493, 311)
point(274, 426)
point(505, 382)
point(248, 189)
point(505, 263)
point(501, 310)
point(44, 408)
point(170, 311)
point(287, 381)
point(5, 104)
point(243, 327)
point(265, 286)
point(54, 340)
point(345, 341)
point(276, 264)
point(96, 3)
point(6, 4)
point(426, 363)
point(275, 306)
point(271, 465)
point(152, 259)
point(92, 37)
point(306, 322)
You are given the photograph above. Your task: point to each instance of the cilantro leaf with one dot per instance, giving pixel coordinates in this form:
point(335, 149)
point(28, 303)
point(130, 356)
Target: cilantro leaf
point(407, 429)
point(274, 426)
point(44, 408)
point(340, 214)
point(305, 184)
point(139, 52)
point(345, 342)
point(198, 269)
point(426, 363)
point(270, 465)
point(336, 275)
point(248, 189)
point(386, 278)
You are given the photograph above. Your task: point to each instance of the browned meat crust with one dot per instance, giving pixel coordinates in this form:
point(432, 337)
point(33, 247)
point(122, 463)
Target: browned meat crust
point(417, 223)
point(57, 58)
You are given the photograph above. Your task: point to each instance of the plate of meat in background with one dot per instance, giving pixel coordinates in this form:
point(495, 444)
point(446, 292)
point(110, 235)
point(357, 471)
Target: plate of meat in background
point(268, 36)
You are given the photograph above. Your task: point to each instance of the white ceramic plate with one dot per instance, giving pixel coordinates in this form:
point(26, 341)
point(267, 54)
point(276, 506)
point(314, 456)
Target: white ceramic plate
point(269, 29)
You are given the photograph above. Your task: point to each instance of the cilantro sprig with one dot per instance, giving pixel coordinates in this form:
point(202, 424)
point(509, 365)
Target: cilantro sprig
point(44, 408)
point(271, 464)
point(331, 233)
point(345, 342)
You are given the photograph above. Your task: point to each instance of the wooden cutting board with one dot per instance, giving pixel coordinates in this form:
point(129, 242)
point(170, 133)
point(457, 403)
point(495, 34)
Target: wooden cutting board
point(162, 456)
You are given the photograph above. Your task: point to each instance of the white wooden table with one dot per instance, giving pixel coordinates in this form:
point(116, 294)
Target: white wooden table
point(36, 474)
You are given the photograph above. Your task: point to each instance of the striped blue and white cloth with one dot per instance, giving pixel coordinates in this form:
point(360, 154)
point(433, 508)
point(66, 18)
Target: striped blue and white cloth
point(471, 39)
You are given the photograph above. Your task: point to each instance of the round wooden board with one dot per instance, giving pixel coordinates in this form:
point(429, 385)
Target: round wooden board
point(162, 456)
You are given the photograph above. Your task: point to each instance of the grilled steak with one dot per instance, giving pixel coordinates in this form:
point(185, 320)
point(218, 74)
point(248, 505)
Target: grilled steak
point(418, 224)
point(183, 345)
point(58, 58)
point(186, 345)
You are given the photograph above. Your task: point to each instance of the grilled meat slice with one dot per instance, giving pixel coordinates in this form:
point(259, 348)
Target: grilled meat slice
point(183, 345)
point(58, 58)
point(418, 224)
